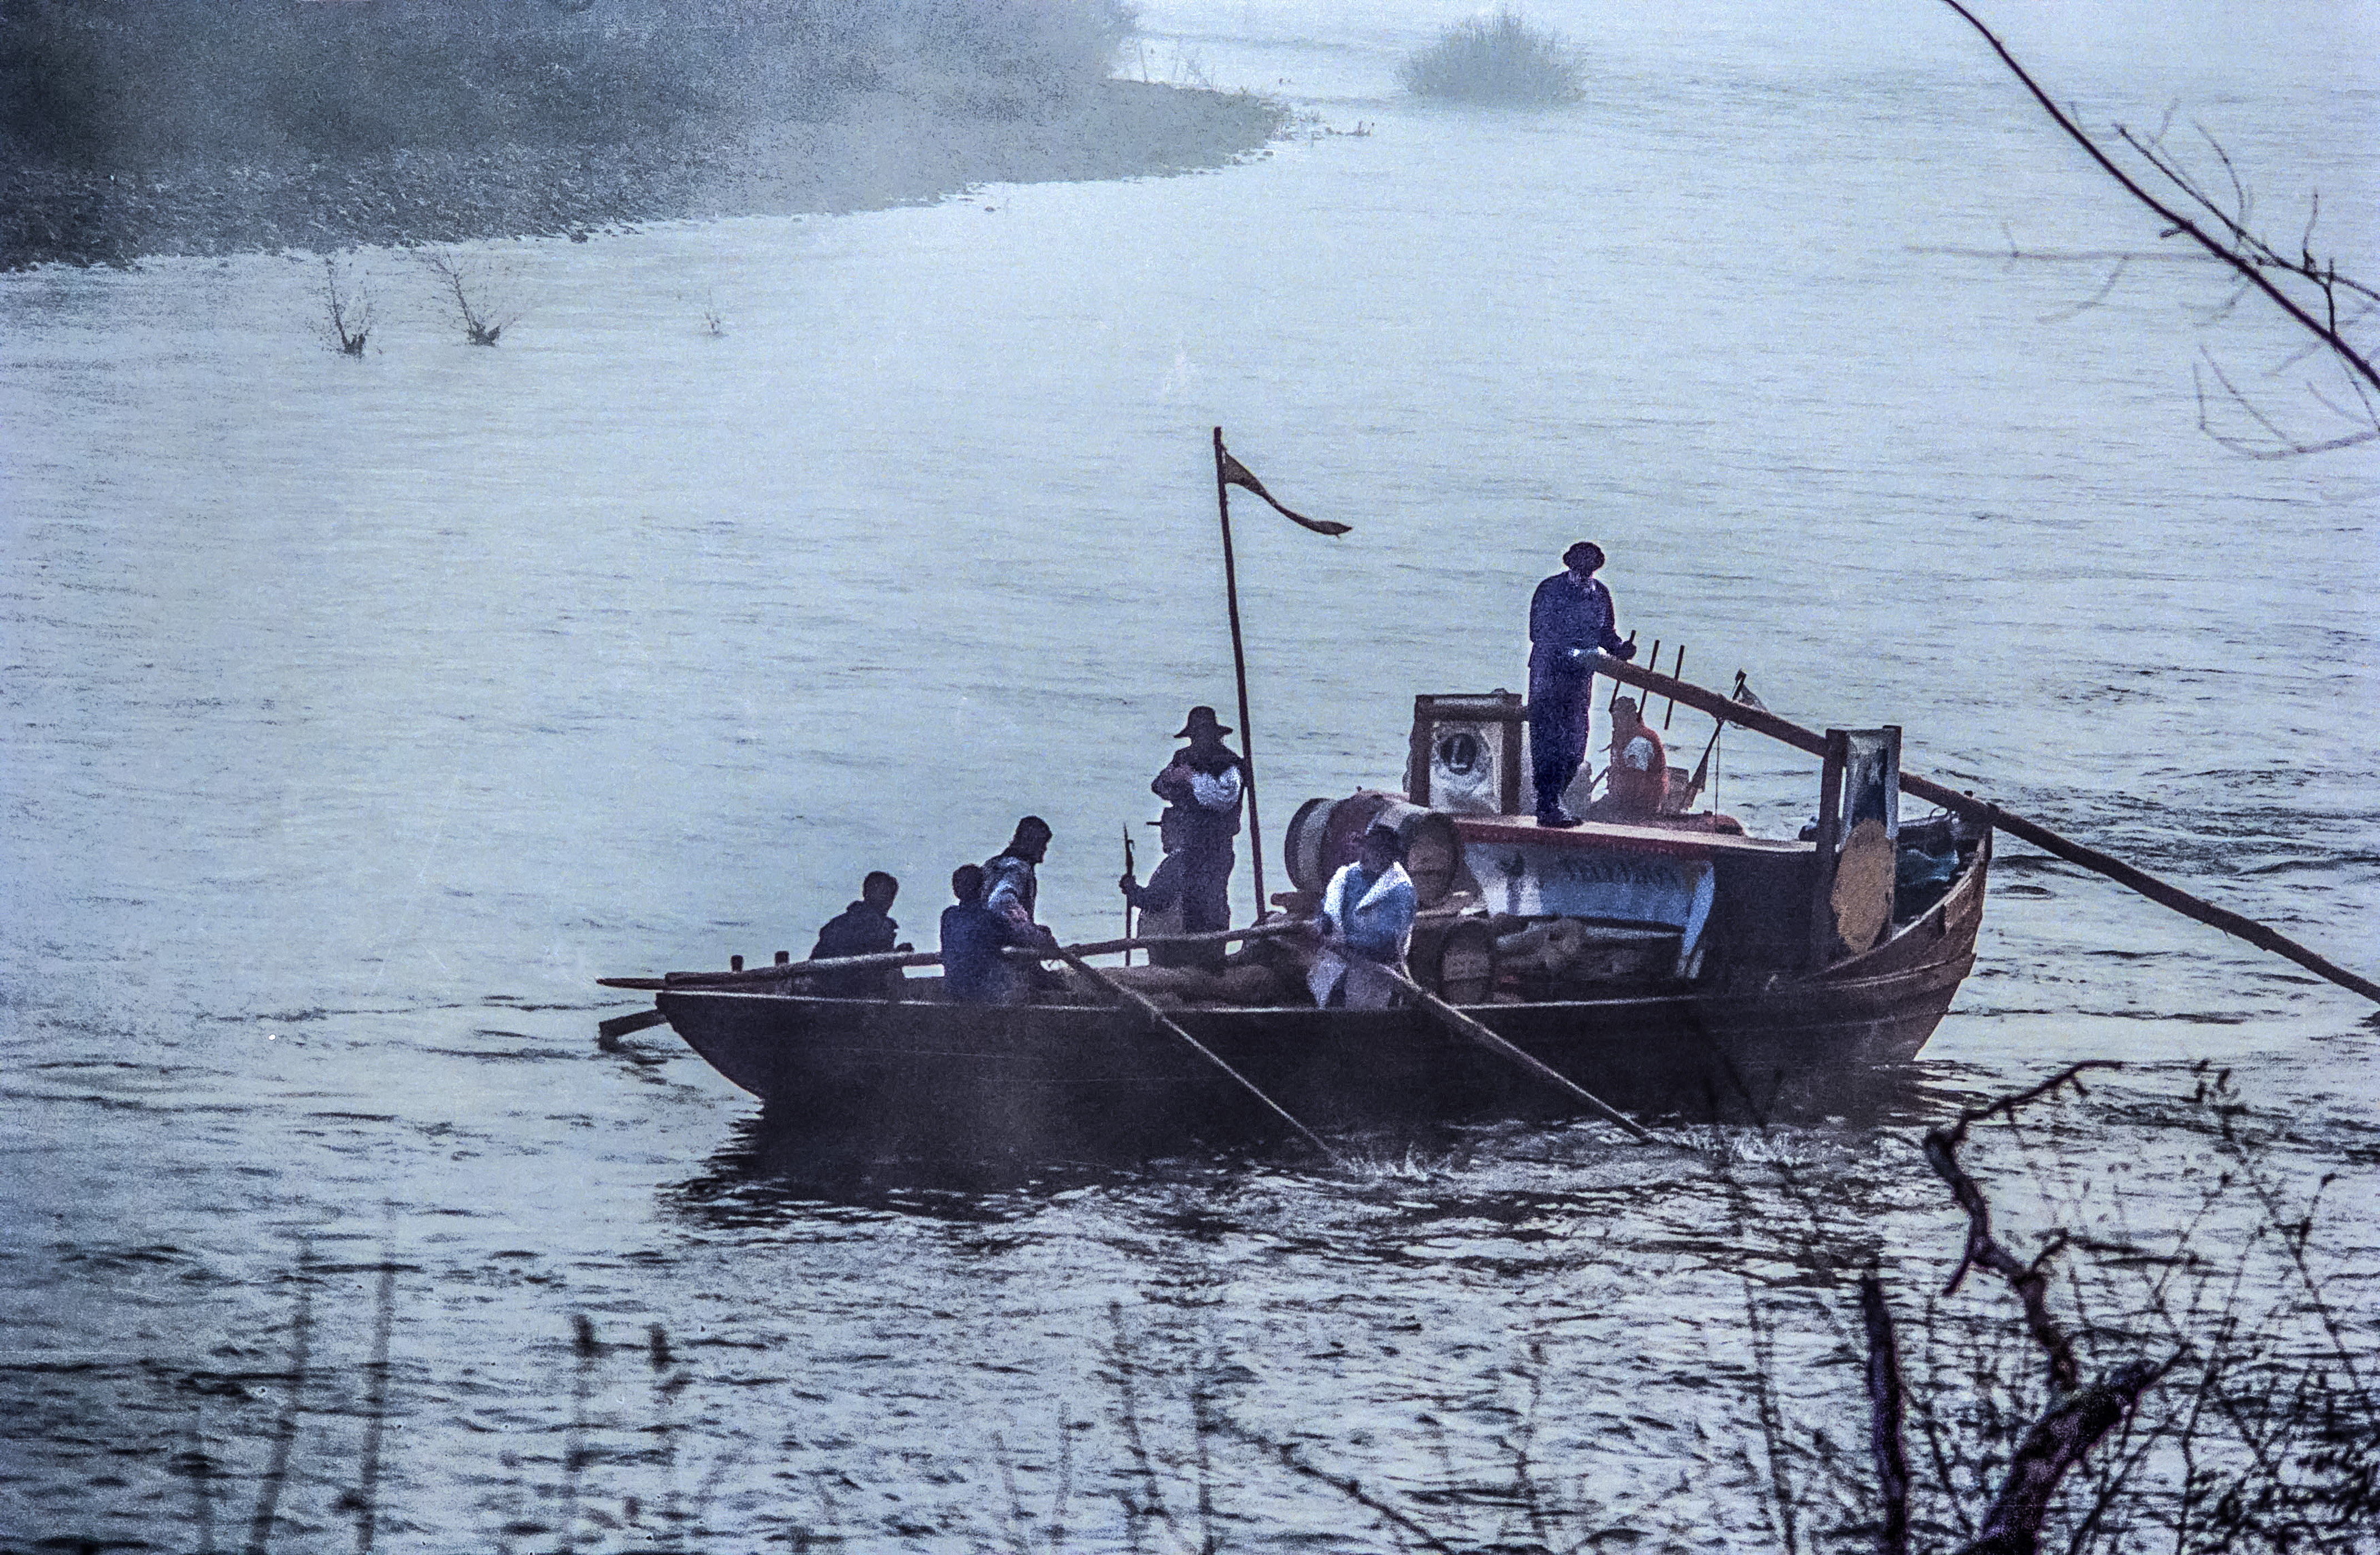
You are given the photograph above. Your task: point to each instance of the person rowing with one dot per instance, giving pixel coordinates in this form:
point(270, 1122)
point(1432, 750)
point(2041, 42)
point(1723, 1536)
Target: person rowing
point(973, 972)
point(1364, 927)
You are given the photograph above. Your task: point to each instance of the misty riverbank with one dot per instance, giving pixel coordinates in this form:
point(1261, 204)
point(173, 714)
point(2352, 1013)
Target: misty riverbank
point(883, 150)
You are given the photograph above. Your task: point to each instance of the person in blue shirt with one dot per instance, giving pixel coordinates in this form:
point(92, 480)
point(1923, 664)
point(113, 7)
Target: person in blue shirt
point(973, 971)
point(1366, 925)
point(1570, 617)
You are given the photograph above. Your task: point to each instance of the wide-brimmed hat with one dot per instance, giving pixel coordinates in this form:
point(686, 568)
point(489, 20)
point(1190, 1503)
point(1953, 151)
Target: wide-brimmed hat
point(1202, 721)
point(1586, 550)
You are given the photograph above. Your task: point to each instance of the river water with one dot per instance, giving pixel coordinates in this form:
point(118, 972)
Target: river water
point(361, 713)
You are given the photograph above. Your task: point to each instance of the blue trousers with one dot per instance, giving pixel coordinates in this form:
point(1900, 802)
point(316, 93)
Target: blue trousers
point(1207, 895)
point(1559, 708)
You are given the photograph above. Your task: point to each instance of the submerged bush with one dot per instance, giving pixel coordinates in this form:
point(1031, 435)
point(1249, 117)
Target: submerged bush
point(1494, 59)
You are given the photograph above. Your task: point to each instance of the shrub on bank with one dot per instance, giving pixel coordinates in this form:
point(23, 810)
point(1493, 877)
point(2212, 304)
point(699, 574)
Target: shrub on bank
point(1494, 59)
point(113, 81)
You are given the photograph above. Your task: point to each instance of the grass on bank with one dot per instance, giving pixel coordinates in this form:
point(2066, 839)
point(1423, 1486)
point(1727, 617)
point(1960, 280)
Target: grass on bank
point(1498, 59)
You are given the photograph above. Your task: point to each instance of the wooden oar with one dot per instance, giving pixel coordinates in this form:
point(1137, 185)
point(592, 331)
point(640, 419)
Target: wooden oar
point(620, 1026)
point(1476, 1031)
point(2040, 836)
point(1157, 1016)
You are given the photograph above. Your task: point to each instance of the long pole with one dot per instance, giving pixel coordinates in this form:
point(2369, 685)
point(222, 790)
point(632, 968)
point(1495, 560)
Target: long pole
point(1240, 673)
point(2196, 908)
point(1157, 1017)
point(878, 961)
point(1477, 1031)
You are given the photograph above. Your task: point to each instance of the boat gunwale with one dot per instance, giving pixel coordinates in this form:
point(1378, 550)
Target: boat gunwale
point(1831, 981)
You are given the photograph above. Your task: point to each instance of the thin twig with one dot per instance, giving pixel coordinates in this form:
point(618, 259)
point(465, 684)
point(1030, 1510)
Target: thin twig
point(2029, 1281)
point(1346, 1485)
point(2354, 361)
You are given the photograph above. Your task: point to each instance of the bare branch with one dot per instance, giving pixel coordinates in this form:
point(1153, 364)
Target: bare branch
point(1885, 1428)
point(2283, 447)
point(2059, 1439)
point(2354, 361)
point(2029, 1281)
point(482, 326)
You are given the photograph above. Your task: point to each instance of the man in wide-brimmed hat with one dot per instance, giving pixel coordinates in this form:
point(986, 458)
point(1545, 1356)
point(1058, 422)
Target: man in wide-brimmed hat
point(1204, 783)
point(1570, 617)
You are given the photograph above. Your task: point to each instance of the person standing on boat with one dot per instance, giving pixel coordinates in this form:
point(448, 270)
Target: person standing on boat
point(1366, 924)
point(1160, 902)
point(865, 928)
point(1570, 617)
point(973, 970)
point(1204, 783)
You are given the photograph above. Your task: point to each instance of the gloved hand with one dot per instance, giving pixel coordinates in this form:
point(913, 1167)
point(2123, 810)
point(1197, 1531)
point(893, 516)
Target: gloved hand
point(1624, 652)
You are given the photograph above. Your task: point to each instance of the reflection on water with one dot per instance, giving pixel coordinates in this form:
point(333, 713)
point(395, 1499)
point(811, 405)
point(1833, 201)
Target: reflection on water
point(778, 1166)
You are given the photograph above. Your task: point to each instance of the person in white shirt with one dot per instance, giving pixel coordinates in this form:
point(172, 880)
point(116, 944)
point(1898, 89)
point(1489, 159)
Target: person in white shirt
point(1640, 764)
point(1366, 925)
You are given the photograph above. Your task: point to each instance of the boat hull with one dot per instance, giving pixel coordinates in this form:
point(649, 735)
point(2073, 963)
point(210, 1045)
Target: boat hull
point(918, 1075)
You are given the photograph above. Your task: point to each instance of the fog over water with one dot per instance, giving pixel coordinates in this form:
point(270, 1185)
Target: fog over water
point(360, 714)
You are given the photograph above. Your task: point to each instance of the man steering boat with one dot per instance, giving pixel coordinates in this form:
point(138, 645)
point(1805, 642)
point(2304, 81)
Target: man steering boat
point(1571, 616)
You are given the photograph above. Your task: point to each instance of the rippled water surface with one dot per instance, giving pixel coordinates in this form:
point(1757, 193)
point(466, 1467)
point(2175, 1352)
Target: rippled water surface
point(360, 714)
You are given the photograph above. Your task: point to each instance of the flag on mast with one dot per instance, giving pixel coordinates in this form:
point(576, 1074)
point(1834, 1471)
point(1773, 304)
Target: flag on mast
point(1236, 474)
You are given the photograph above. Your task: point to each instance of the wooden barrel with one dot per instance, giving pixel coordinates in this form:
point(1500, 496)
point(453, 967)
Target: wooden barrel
point(1325, 834)
point(1456, 959)
point(1304, 844)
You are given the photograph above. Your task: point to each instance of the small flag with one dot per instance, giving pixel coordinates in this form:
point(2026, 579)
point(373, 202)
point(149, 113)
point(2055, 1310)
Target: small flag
point(1236, 474)
point(1744, 694)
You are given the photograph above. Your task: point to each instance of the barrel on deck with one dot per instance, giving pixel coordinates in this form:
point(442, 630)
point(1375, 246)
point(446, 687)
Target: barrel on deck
point(1325, 834)
point(1454, 958)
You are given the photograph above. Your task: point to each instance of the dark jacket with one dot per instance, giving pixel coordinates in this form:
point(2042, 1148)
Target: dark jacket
point(1162, 892)
point(858, 930)
point(1564, 617)
point(973, 971)
point(1209, 809)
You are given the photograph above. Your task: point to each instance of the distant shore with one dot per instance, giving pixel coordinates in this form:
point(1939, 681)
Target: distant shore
point(882, 150)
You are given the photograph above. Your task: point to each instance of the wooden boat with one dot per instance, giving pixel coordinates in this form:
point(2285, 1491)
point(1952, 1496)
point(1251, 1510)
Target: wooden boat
point(1695, 966)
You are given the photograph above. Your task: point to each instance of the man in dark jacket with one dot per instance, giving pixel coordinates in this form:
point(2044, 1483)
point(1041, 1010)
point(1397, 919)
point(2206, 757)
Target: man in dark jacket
point(1160, 901)
point(1204, 783)
point(1570, 617)
point(865, 928)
